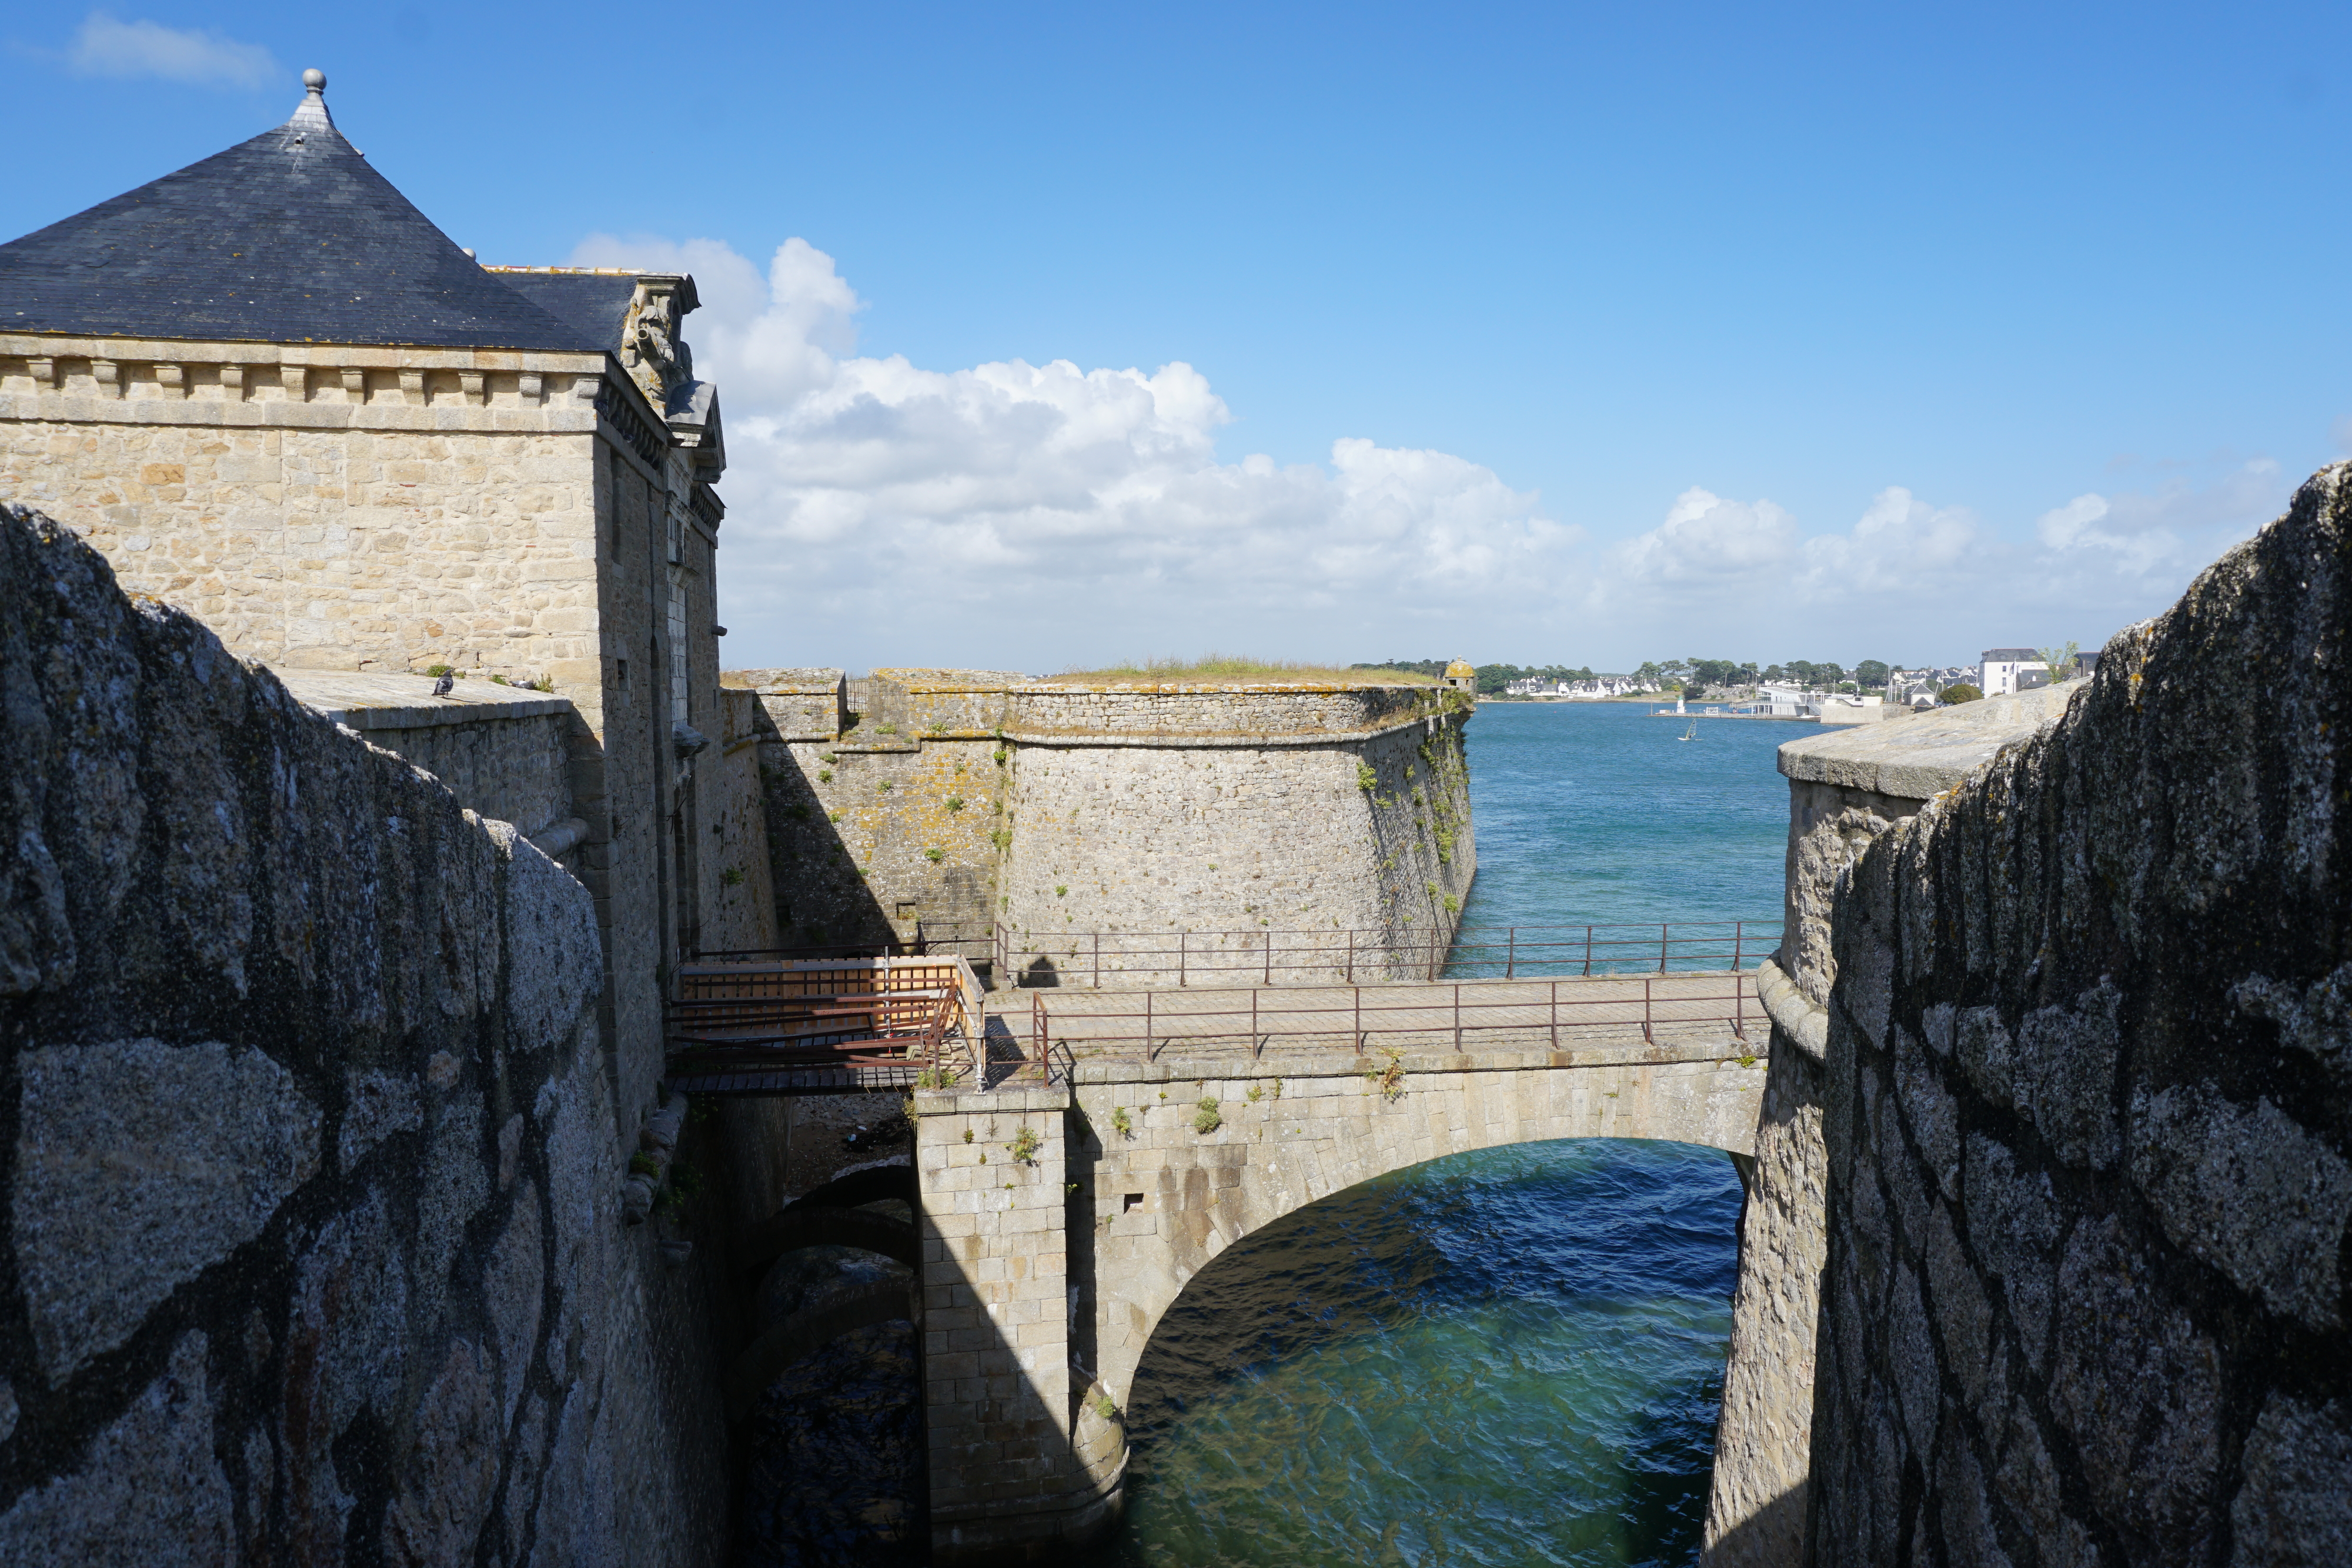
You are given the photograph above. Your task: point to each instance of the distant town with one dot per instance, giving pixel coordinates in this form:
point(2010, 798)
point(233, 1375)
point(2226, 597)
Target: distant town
point(1798, 688)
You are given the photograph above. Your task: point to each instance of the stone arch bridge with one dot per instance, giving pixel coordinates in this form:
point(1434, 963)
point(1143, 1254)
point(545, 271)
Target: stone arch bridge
point(1063, 1210)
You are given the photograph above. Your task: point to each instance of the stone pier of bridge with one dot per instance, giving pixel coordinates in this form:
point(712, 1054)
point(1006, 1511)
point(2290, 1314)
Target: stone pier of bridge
point(1062, 1212)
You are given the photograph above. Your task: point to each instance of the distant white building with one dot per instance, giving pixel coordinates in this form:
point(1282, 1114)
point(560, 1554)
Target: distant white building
point(1600, 686)
point(2003, 670)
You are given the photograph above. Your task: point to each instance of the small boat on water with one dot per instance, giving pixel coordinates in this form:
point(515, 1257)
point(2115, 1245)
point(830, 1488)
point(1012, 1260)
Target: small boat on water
point(1693, 732)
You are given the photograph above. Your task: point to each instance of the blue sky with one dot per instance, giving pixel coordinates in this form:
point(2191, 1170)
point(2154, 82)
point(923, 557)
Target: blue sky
point(1560, 333)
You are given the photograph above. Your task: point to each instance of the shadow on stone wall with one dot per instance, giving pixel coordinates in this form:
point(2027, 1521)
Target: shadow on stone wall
point(821, 898)
point(311, 1154)
point(1773, 1534)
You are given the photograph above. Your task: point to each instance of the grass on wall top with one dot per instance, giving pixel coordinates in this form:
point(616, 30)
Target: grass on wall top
point(1226, 669)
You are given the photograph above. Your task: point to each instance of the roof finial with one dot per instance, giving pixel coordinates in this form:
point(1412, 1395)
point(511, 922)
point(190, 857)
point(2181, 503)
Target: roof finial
point(313, 109)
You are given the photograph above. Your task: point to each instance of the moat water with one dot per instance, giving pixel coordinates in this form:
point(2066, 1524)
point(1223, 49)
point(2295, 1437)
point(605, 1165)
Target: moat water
point(1509, 1357)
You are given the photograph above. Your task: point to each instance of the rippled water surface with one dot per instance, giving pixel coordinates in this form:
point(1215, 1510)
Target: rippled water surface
point(1505, 1358)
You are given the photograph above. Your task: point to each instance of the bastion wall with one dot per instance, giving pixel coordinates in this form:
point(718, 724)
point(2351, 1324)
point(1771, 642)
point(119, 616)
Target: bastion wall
point(373, 1296)
point(959, 801)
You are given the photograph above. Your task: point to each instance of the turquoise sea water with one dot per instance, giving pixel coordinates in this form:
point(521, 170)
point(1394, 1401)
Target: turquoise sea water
point(1506, 1357)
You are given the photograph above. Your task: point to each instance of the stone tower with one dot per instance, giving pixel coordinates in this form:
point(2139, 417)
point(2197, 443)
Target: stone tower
point(1462, 677)
point(272, 392)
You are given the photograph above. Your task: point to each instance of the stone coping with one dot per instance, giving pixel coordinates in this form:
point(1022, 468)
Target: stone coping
point(1191, 739)
point(1801, 1019)
point(944, 682)
point(1006, 1102)
point(1918, 757)
point(366, 701)
point(1048, 687)
point(784, 683)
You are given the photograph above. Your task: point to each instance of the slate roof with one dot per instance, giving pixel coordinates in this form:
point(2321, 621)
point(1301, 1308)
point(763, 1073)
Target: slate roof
point(594, 304)
point(291, 237)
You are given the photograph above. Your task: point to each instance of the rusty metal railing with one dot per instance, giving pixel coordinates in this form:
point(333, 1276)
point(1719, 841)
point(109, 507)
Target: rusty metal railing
point(824, 1026)
point(1098, 959)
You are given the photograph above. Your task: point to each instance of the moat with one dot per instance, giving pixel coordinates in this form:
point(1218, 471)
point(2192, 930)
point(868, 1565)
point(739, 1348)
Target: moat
point(1511, 1356)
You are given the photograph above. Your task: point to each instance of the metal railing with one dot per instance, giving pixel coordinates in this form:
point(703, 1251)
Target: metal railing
point(1107, 959)
point(774, 1026)
point(1433, 1013)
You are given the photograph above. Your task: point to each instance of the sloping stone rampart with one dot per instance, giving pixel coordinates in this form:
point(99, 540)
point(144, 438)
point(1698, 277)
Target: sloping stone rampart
point(2089, 1113)
point(309, 1155)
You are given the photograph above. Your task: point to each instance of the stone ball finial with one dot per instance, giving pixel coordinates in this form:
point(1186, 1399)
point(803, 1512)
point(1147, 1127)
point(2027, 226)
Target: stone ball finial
point(316, 80)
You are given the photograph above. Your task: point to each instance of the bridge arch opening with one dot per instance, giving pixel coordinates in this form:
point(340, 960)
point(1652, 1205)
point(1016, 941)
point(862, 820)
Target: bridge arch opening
point(1525, 1337)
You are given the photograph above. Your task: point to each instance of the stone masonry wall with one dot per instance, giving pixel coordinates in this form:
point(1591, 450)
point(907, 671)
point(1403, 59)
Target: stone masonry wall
point(945, 800)
point(310, 1164)
point(1845, 789)
point(1370, 836)
point(368, 505)
point(995, 1320)
point(514, 769)
point(2090, 1113)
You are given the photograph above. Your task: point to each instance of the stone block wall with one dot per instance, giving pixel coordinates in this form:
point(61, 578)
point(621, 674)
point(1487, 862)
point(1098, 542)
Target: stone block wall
point(955, 801)
point(1370, 836)
point(1845, 790)
point(739, 897)
point(996, 1317)
point(2089, 1119)
point(505, 753)
point(312, 1163)
point(320, 507)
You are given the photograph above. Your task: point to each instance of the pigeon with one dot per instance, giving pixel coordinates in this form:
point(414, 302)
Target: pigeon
point(441, 687)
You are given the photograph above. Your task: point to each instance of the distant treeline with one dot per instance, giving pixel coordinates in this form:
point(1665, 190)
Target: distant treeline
point(1669, 675)
point(1491, 677)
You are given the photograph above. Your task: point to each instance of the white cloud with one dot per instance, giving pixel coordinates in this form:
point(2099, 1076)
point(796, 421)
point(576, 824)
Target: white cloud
point(104, 47)
point(1050, 507)
point(1705, 537)
point(1900, 545)
point(2177, 526)
point(1027, 515)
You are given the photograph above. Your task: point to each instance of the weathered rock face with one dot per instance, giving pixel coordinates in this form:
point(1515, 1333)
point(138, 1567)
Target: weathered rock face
point(309, 1156)
point(1847, 789)
point(2089, 1113)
